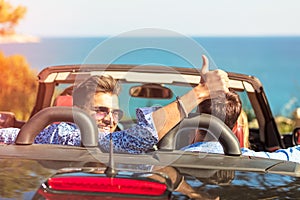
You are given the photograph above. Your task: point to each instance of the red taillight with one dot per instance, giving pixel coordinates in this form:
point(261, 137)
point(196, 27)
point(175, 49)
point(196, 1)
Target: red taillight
point(107, 185)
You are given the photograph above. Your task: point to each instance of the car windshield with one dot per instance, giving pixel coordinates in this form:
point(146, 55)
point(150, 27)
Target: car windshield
point(129, 103)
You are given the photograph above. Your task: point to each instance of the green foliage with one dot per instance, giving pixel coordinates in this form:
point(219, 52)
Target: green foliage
point(18, 86)
point(284, 128)
point(284, 124)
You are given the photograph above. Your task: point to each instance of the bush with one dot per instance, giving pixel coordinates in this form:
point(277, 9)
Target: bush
point(18, 86)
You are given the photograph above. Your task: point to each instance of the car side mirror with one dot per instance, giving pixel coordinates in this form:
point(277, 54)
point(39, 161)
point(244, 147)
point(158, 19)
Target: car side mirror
point(151, 90)
point(296, 136)
point(7, 119)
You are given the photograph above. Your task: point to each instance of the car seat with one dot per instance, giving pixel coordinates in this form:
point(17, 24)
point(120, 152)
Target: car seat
point(65, 100)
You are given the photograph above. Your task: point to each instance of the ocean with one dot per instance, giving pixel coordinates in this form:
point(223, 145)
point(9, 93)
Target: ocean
point(274, 60)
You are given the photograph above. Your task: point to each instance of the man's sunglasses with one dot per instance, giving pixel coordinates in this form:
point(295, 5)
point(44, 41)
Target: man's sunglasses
point(102, 112)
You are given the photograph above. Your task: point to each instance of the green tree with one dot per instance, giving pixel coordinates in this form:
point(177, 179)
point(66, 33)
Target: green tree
point(18, 86)
point(10, 17)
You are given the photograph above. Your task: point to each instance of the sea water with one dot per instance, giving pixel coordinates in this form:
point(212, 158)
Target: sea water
point(274, 60)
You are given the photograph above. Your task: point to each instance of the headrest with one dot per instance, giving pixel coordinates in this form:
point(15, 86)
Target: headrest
point(65, 100)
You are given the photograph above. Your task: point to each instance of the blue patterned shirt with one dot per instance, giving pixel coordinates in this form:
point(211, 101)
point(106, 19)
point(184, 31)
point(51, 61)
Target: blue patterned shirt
point(289, 154)
point(137, 139)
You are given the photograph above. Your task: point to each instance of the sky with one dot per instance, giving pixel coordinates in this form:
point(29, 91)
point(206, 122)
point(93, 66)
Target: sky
point(56, 18)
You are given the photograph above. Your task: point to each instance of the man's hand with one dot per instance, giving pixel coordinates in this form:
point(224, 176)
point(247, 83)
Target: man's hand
point(212, 84)
point(216, 82)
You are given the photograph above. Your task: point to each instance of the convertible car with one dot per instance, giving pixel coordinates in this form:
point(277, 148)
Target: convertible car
point(41, 171)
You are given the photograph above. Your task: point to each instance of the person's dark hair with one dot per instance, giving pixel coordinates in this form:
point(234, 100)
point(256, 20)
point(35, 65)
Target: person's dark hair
point(84, 92)
point(226, 108)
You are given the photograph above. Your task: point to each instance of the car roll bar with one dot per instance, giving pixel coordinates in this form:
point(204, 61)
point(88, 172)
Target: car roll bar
point(216, 126)
point(86, 124)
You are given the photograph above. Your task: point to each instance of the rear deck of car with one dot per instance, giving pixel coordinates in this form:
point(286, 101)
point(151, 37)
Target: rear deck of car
point(53, 156)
